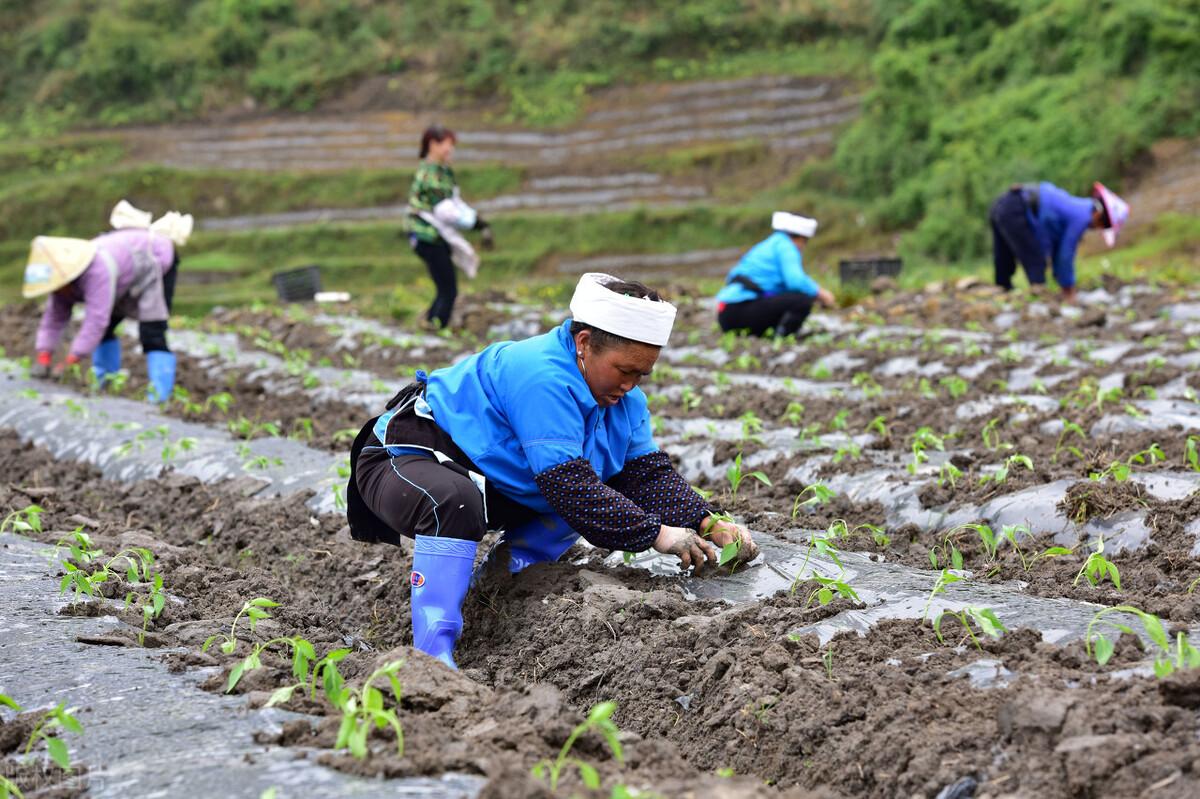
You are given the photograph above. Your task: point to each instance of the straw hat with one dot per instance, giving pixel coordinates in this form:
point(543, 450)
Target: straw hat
point(54, 262)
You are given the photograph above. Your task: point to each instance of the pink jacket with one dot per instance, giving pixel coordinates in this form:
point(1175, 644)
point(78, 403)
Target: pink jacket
point(98, 291)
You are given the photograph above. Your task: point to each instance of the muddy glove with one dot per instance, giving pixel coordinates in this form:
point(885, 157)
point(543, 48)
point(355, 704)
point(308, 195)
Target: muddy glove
point(690, 548)
point(41, 365)
point(722, 532)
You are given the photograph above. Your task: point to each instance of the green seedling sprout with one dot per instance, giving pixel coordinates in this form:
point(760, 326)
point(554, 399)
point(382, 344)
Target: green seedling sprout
point(822, 546)
point(599, 719)
point(838, 422)
point(949, 473)
point(954, 385)
point(689, 399)
point(25, 520)
point(364, 710)
point(1168, 659)
point(879, 425)
point(1191, 453)
point(1069, 428)
point(751, 425)
point(169, 450)
point(58, 718)
point(1001, 474)
point(818, 494)
point(302, 428)
point(728, 553)
point(1152, 454)
point(1097, 567)
point(137, 571)
point(984, 618)
point(827, 587)
point(925, 389)
point(1117, 470)
point(820, 371)
point(921, 440)
point(735, 476)
point(794, 413)
point(945, 578)
point(847, 450)
point(827, 659)
point(255, 610)
point(867, 384)
point(991, 436)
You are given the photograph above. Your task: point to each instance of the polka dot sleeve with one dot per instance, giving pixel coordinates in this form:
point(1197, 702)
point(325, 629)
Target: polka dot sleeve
point(605, 517)
point(655, 487)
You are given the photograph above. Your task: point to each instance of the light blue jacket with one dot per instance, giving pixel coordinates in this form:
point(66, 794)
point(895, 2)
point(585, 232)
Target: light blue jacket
point(518, 408)
point(775, 265)
point(1061, 221)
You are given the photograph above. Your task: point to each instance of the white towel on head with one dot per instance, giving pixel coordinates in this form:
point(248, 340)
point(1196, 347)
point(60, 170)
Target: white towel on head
point(175, 226)
point(124, 215)
point(635, 318)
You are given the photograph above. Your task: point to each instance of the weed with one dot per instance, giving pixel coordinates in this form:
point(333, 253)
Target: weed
point(984, 618)
point(598, 719)
point(1097, 567)
point(735, 476)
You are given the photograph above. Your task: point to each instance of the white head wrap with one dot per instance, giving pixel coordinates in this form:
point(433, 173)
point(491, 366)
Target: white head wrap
point(175, 226)
point(124, 215)
point(634, 318)
point(794, 223)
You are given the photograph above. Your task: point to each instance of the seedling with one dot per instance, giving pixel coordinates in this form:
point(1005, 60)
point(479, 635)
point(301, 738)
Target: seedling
point(991, 436)
point(364, 710)
point(303, 428)
point(255, 610)
point(1069, 428)
point(864, 381)
point(751, 425)
point(847, 450)
point(879, 425)
point(58, 718)
point(838, 422)
point(1001, 474)
point(945, 578)
point(138, 572)
point(925, 389)
point(1167, 660)
point(728, 553)
point(1117, 470)
point(984, 618)
point(735, 476)
point(921, 440)
point(827, 659)
point(818, 493)
point(822, 546)
point(955, 385)
point(262, 462)
point(826, 589)
point(794, 413)
point(25, 520)
point(1097, 567)
point(1191, 455)
point(1153, 454)
point(599, 719)
point(169, 450)
point(949, 473)
point(689, 400)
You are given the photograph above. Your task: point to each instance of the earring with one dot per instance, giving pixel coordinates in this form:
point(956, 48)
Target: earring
point(582, 366)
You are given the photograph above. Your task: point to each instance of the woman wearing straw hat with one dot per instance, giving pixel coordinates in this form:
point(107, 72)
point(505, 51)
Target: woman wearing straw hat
point(1035, 221)
point(548, 439)
point(768, 292)
point(129, 272)
point(436, 215)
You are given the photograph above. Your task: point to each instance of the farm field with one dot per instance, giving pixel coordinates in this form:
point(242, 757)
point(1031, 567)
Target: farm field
point(978, 513)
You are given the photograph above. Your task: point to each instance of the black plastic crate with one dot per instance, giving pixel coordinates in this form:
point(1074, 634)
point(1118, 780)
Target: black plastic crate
point(862, 270)
point(297, 285)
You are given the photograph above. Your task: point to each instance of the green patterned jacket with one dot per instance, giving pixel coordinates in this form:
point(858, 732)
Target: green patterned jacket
point(431, 184)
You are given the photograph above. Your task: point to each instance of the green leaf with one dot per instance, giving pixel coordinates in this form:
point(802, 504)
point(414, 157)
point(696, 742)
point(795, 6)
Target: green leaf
point(58, 753)
point(70, 723)
point(602, 711)
point(760, 477)
point(824, 596)
point(1103, 649)
point(1154, 628)
point(229, 645)
point(262, 602)
point(589, 775)
point(8, 701)
point(358, 741)
point(956, 557)
point(281, 695)
point(372, 699)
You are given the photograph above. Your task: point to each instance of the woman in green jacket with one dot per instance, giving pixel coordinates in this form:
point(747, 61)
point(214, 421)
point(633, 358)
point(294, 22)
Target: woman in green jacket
point(434, 186)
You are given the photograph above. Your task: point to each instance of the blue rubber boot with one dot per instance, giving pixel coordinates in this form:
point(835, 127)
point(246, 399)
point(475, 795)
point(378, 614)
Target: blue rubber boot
point(160, 368)
point(541, 540)
point(440, 578)
point(106, 360)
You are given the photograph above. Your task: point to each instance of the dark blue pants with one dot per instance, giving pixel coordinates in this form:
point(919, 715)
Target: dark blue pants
point(1013, 240)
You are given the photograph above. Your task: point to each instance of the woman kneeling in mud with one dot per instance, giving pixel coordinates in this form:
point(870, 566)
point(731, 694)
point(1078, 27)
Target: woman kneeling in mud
point(547, 439)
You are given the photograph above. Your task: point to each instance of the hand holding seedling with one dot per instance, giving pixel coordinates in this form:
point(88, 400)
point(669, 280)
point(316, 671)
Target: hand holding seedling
point(724, 532)
point(690, 548)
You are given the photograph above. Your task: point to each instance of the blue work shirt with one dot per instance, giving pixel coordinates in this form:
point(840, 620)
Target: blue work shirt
point(1061, 221)
point(775, 265)
point(518, 408)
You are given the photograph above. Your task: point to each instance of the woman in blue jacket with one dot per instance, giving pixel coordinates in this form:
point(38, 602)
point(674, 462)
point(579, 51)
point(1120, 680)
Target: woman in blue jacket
point(548, 439)
point(1035, 221)
point(768, 292)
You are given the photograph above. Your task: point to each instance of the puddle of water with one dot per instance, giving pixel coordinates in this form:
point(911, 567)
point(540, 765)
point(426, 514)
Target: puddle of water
point(138, 717)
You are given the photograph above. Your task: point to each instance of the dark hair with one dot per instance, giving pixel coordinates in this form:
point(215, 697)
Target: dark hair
point(435, 133)
point(1098, 205)
point(602, 340)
